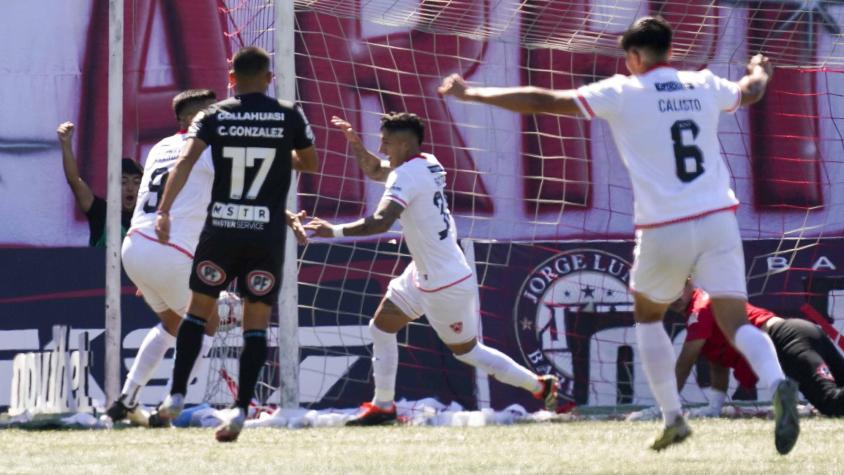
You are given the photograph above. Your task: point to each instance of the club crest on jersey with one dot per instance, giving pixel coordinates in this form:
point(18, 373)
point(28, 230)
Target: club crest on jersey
point(562, 303)
point(210, 273)
point(457, 327)
point(260, 282)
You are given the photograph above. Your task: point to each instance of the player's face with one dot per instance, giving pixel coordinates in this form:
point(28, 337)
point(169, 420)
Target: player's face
point(395, 146)
point(130, 184)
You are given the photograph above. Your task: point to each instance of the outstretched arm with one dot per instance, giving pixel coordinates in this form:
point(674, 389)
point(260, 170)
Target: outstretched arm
point(380, 222)
point(369, 163)
point(754, 83)
point(175, 182)
point(524, 99)
point(81, 191)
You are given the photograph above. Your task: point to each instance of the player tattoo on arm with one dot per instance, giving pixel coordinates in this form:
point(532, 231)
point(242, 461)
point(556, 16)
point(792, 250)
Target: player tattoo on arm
point(755, 82)
point(369, 163)
point(687, 359)
point(380, 222)
point(81, 191)
point(178, 177)
point(524, 100)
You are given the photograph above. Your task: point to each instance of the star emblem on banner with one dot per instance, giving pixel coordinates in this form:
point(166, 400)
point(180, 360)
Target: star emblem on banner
point(588, 291)
point(526, 324)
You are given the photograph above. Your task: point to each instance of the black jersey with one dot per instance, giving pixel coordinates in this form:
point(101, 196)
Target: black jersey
point(251, 138)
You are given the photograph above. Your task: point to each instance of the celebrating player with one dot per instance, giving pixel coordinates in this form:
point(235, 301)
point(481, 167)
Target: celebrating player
point(805, 352)
point(438, 283)
point(255, 140)
point(665, 126)
point(161, 271)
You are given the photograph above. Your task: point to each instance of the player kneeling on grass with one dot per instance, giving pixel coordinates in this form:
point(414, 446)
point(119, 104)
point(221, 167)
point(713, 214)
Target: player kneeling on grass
point(438, 283)
point(161, 271)
point(806, 354)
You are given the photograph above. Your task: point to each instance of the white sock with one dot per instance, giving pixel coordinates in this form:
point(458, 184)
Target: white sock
point(385, 364)
point(200, 367)
point(759, 351)
point(155, 344)
point(497, 364)
point(657, 354)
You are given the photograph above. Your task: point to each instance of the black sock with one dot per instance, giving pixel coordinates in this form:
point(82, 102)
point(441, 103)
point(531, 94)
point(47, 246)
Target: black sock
point(188, 344)
point(252, 359)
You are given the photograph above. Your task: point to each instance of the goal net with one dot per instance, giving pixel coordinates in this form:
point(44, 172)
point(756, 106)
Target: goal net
point(543, 205)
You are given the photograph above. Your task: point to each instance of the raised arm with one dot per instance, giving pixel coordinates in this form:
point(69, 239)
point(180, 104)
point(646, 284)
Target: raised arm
point(81, 191)
point(380, 222)
point(524, 99)
point(175, 182)
point(369, 163)
point(754, 83)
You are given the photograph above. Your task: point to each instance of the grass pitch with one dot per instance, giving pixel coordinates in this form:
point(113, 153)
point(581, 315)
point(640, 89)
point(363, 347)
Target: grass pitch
point(717, 446)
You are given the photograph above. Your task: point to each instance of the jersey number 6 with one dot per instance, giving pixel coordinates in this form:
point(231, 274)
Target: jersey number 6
point(684, 154)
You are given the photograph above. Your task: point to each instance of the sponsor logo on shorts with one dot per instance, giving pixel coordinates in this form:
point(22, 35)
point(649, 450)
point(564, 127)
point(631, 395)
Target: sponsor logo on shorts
point(260, 282)
point(563, 305)
point(457, 327)
point(210, 273)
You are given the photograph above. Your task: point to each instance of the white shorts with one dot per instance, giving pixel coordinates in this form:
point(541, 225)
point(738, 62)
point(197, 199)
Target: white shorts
point(161, 272)
point(452, 311)
point(709, 249)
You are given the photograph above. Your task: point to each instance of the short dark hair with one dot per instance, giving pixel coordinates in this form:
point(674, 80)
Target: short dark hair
point(131, 167)
point(649, 32)
point(404, 121)
point(251, 61)
point(191, 98)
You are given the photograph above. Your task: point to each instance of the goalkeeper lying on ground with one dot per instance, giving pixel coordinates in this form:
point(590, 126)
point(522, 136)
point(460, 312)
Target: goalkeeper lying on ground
point(806, 354)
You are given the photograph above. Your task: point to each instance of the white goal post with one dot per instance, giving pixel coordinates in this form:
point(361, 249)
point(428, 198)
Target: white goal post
point(113, 359)
point(288, 297)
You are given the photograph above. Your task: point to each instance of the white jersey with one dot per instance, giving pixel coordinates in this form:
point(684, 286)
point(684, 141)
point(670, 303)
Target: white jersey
point(418, 185)
point(665, 125)
point(187, 215)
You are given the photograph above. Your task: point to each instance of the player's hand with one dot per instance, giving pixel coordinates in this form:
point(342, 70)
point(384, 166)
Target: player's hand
point(65, 132)
point(162, 228)
point(347, 130)
point(453, 85)
point(320, 228)
point(294, 220)
point(761, 61)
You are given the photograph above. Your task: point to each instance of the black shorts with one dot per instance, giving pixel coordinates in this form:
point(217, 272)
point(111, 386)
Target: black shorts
point(809, 357)
point(220, 259)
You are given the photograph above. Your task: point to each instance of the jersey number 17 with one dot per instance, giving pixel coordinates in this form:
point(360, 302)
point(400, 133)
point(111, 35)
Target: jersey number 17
point(243, 157)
